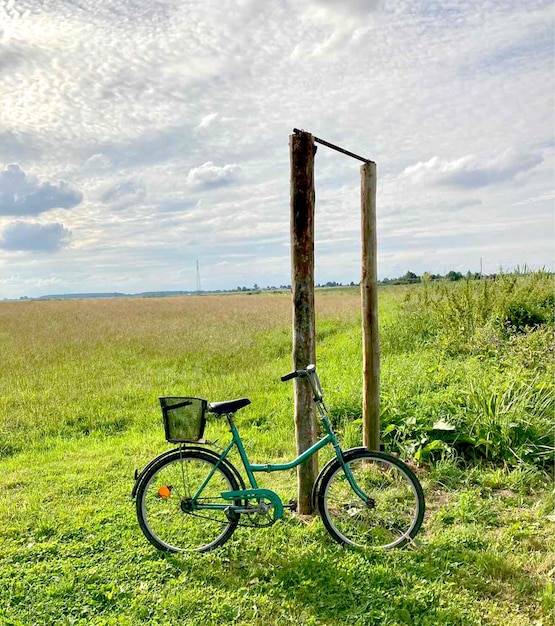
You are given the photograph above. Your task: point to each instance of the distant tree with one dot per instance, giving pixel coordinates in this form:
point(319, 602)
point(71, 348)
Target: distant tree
point(452, 275)
point(410, 277)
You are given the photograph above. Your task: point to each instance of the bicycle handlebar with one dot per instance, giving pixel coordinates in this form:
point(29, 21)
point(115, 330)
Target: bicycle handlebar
point(290, 376)
point(310, 369)
point(310, 374)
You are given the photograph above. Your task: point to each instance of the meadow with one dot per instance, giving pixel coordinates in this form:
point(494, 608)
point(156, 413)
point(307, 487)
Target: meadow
point(467, 398)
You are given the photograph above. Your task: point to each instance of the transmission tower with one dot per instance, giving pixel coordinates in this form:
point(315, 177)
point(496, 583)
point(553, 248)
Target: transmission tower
point(199, 287)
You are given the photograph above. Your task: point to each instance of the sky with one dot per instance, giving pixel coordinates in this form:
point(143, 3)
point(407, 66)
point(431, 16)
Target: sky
point(139, 137)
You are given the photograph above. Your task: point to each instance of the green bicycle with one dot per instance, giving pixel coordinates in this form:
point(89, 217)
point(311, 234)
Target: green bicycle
point(192, 498)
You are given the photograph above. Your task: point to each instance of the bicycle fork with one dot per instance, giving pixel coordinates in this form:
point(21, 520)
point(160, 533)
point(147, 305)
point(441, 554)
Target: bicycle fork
point(370, 502)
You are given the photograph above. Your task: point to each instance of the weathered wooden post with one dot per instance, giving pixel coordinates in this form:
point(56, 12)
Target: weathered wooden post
point(369, 294)
point(302, 152)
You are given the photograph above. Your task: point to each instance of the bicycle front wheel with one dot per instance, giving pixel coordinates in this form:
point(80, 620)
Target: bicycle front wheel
point(167, 515)
point(393, 513)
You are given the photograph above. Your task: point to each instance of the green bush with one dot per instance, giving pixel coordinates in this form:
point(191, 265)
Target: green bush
point(485, 389)
point(471, 317)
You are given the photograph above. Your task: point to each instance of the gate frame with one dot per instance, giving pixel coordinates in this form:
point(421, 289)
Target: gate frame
point(302, 150)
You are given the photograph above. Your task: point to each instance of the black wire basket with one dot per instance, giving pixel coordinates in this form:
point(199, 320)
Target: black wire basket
point(184, 418)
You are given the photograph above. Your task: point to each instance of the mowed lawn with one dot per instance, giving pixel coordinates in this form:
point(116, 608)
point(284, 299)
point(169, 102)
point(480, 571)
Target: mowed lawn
point(79, 412)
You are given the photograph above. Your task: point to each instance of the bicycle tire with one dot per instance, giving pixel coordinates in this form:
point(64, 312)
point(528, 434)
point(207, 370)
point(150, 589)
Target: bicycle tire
point(165, 520)
point(396, 510)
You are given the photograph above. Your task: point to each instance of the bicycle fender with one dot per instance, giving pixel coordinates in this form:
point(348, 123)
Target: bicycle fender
point(214, 455)
point(139, 475)
point(317, 482)
point(349, 452)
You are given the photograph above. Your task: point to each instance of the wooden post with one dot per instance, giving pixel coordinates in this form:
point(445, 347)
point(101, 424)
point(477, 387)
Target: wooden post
point(302, 152)
point(369, 294)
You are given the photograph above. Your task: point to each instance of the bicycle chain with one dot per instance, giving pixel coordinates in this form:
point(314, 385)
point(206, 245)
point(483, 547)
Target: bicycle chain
point(250, 524)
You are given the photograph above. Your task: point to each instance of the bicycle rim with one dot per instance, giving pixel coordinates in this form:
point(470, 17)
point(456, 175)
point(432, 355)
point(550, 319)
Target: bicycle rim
point(390, 519)
point(163, 511)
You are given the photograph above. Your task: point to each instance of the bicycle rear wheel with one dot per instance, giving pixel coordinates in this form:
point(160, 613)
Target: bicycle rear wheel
point(394, 513)
point(165, 511)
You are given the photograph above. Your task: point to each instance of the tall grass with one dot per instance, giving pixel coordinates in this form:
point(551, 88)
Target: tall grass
point(487, 387)
point(467, 368)
point(72, 368)
point(475, 317)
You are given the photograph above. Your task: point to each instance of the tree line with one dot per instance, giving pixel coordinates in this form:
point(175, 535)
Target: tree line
point(406, 279)
point(410, 277)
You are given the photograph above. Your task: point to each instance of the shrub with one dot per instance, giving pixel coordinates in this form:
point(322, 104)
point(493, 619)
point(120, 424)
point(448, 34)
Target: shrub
point(471, 317)
point(490, 393)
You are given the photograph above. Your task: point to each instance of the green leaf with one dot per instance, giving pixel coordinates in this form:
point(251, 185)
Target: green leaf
point(465, 439)
point(436, 444)
point(389, 429)
point(443, 425)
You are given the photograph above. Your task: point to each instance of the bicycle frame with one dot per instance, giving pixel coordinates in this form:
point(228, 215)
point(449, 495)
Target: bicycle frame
point(251, 468)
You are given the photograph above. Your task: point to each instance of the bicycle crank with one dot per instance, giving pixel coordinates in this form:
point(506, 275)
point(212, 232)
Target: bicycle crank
point(260, 513)
point(265, 496)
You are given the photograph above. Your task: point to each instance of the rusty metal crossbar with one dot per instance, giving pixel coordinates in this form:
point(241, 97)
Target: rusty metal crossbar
point(334, 147)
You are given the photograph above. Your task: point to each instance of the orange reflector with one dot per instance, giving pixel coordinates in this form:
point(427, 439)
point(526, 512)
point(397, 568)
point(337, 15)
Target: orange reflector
point(164, 492)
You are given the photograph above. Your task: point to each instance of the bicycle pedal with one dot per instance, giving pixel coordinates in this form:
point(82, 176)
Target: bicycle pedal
point(291, 505)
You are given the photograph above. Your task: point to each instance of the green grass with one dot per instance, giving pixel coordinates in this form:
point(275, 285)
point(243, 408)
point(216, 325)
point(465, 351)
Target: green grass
point(79, 412)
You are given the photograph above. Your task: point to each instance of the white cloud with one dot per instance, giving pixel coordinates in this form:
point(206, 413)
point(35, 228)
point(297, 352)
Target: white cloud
point(124, 194)
point(21, 194)
point(207, 120)
point(469, 172)
point(30, 236)
point(358, 8)
point(209, 176)
point(98, 163)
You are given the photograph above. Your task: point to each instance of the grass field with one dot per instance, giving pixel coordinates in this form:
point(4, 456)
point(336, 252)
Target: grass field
point(467, 398)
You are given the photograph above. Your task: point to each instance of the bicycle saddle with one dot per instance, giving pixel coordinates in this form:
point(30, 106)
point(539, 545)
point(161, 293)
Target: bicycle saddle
point(220, 408)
